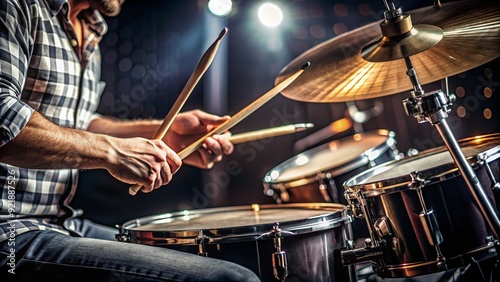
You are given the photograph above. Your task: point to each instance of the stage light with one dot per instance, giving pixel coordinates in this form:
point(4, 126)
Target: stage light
point(270, 14)
point(220, 8)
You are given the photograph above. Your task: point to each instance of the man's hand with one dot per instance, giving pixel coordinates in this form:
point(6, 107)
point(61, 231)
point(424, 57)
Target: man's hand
point(190, 126)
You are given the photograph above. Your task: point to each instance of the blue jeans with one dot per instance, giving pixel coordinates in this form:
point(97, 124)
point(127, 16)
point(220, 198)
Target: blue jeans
point(52, 256)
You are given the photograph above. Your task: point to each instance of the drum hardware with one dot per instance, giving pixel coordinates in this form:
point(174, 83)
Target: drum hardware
point(397, 28)
point(122, 235)
point(434, 107)
point(353, 205)
point(122, 238)
point(460, 272)
point(420, 215)
point(475, 265)
point(426, 232)
point(201, 240)
point(428, 220)
point(354, 256)
point(484, 161)
point(383, 228)
point(411, 152)
point(279, 262)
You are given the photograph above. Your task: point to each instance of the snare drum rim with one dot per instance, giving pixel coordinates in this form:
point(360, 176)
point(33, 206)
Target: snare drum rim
point(364, 158)
point(429, 176)
point(335, 215)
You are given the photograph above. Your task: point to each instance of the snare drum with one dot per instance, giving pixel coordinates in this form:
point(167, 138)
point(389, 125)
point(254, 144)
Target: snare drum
point(300, 242)
point(317, 175)
point(421, 214)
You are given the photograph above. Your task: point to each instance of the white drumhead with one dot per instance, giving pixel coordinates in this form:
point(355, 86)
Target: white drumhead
point(327, 156)
point(430, 166)
point(237, 223)
point(425, 162)
point(230, 218)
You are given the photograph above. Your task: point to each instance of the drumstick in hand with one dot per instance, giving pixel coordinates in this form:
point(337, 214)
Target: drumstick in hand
point(200, 69)
point(268, 132)
point(243, 113)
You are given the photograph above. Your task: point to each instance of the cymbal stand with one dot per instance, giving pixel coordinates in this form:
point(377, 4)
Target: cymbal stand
point(434, 107)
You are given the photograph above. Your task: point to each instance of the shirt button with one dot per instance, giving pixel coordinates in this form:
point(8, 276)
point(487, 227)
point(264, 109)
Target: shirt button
point(74, 43)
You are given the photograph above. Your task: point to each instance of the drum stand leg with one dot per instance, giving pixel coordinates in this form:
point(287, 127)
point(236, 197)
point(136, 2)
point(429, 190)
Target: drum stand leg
point(434, 108)
point(473, 271)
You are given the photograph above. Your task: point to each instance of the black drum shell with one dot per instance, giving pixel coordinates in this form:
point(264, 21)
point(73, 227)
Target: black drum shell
point(312, 244)
point(466, 234)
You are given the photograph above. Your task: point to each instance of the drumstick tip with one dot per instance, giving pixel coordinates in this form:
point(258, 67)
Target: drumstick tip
point(306, 65)
point(222, 33)
point(302, 126)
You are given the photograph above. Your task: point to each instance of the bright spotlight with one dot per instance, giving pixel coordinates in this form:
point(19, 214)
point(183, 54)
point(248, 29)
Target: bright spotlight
point(270, 14)
point(220, 8)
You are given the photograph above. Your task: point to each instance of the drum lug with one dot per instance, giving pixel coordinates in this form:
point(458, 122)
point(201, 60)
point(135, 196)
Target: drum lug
point(431, 227)
point(383, 227)
point(122, 236)
point(280, 265)
point(495, 184)
point(201, 240)
point(432, 230)
point(491, 240)
point(349, 244)
point(416, 180)
point(280, 268)
point(353, 204)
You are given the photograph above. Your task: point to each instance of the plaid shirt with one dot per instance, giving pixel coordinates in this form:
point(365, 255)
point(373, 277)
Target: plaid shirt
point(43, 69)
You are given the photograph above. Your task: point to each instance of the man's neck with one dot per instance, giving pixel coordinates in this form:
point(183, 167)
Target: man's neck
point(75, 7)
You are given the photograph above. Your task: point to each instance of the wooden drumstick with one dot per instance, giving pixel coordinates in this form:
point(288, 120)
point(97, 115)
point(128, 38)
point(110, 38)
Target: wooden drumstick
point(200, 69)
point(268, 132)
point(243, 113)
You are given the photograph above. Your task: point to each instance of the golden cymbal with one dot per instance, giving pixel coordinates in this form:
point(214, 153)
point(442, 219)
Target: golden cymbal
point(339, 73)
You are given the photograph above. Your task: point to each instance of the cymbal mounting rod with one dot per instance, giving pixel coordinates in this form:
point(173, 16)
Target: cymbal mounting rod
point(434, 107)
point(392, 12)
point(391, 7)
point(412, 74)
point(475, 187)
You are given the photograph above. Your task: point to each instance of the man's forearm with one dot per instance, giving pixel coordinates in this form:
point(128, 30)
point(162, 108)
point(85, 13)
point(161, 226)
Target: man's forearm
point(124, 129)
point(45, 145)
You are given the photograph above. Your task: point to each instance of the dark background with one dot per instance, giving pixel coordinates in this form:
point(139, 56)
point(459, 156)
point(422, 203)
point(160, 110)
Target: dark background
point(153, 46)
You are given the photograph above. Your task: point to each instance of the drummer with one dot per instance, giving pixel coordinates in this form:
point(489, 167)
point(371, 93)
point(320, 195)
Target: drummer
point(49, 131)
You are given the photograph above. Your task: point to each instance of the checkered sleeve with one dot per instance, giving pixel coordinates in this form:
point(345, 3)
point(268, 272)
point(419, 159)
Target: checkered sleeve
point(14, 52)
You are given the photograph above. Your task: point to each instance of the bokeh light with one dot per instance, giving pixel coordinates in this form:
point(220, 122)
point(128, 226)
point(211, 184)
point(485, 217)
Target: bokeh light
point(220, 8)
point(270, 15)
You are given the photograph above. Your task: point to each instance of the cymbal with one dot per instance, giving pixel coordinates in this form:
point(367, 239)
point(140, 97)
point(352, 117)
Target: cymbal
point(339, 73)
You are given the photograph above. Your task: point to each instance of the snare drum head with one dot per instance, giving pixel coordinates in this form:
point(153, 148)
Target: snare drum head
point(431, 165)
point(337, 157)
point(230, 224)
